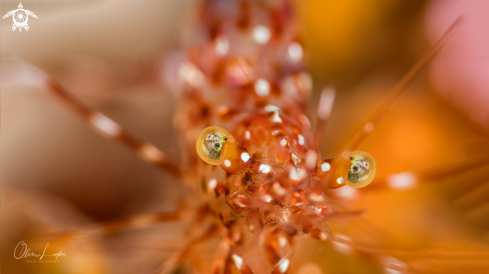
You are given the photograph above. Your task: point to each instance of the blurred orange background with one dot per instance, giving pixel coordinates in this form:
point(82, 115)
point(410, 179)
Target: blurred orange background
point(58, 174)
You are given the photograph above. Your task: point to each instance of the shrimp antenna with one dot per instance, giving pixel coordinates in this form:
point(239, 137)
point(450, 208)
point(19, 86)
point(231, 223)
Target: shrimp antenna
point(325, 107)
point(111, 130)
point(413, 72)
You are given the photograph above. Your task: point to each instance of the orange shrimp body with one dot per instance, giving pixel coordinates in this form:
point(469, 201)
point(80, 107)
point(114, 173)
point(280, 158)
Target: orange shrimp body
point(246, 76)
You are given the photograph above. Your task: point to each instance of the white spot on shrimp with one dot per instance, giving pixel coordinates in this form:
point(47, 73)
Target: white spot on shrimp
point(222, 45)
point(245, 156)
point(283, 265)
point(346, 192)
point(278, 189)
point(191, 74)
point(247, 135)
point(212, 184)
point(314, 197)
point(325, 167)
point(311, 158)
point(271, 108)
point(282, 241)
point(276, 117)
point(151, 153)
point(301, 139)
point(265, 168)
point(283, 142)
point(297, 84)
point(262, 87)
point(266, 198)
point(227, 163)
point(295, 52)
point(105, 124)
point(261, 34)
point(326, 103)
point(402, 180)
point(238, 261)
point(340, 180)
point(297, 174)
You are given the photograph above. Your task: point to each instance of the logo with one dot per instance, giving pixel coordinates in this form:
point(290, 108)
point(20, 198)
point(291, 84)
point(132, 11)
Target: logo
point(20, 17)
point(22, 251)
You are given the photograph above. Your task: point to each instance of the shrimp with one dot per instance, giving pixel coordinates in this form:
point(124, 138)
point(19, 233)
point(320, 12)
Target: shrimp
point(256, 176)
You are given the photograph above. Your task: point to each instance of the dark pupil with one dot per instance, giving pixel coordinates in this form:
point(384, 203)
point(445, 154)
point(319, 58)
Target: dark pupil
point(216, 145)
point(355, 168)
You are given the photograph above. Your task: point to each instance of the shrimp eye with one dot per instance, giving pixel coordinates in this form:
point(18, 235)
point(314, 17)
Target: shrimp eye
point(362, 169)
point(210, 143)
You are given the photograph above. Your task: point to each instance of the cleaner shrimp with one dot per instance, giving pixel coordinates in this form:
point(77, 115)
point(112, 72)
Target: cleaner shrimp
point(263, 192)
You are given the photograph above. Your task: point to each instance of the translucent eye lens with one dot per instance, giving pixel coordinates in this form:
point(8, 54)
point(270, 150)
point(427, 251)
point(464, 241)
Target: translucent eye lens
point(362, 169)
point(210, 142)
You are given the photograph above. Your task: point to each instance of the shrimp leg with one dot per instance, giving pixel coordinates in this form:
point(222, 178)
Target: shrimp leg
point(112, 130)
point(401, 85)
